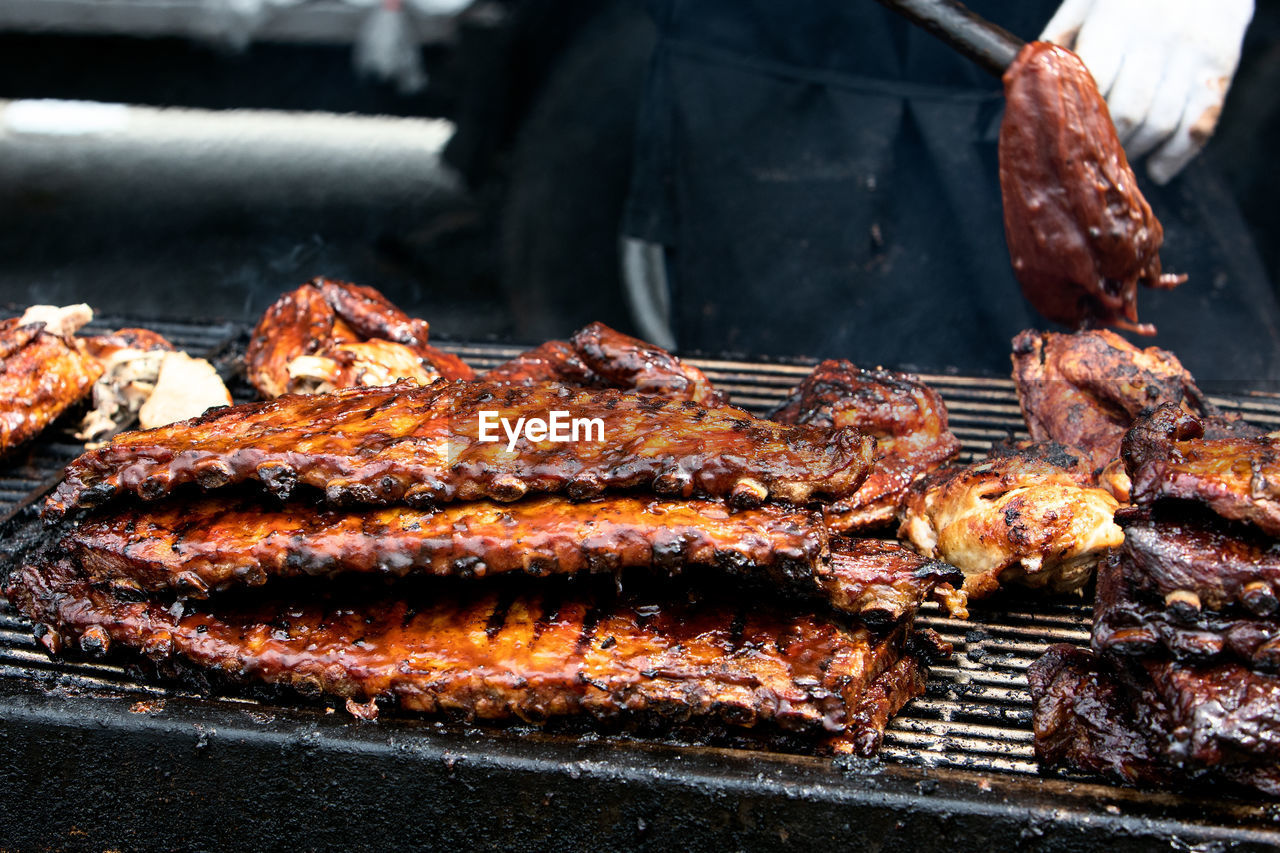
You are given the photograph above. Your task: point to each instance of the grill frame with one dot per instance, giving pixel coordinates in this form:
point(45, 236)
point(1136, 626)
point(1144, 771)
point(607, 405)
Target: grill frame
point(957, 768)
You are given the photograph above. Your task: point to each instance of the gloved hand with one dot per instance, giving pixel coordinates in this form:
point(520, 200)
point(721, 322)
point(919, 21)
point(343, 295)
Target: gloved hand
point(1164, 67)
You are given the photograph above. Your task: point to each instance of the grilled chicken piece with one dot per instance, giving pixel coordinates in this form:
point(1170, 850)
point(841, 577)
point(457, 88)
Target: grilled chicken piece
point(500, 651)
point(409, 444)
point(331, 334)
point(211, 544)
point(907, 418)
point(1194, 561)
point(1127, 624)
point(146, 378)
point(1024, 515)
point(1085, 389)
point(1080, 234)
point(44, 370)
point(1156, 722)
point(600, 357)
point(1167, 457)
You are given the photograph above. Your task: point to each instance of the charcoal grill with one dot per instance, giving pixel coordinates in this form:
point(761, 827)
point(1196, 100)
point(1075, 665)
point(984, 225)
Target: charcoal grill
point(94, 757)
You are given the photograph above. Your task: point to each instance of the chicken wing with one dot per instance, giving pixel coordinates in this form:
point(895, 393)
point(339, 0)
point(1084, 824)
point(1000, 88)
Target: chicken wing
point(331, 334)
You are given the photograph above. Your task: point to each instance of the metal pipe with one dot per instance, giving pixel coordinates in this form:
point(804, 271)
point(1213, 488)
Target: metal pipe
point(987, 44)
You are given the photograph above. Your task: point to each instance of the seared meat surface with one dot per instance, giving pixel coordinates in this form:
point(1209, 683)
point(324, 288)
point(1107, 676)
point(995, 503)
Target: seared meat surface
point(406, 443)
point(1084, 719)
point(883, 582)
point(44, 370)
point(600, 357)
point(145, 378)
point(1125, 623)
point(554, 361)
point(501, 651)
point(1157, 722)
point(213, 543)
point(210, 544)
point(1021, 515)
point(1167, 457)
point(1195, 561)
point(906, 417)
point(331, 334)
point(1085, 389)
point(1081, 235)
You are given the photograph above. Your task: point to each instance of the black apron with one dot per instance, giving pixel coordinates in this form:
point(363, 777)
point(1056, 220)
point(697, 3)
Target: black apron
point(824, 179)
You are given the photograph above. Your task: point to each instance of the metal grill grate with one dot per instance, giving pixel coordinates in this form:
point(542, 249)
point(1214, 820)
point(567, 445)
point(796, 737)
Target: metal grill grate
point(976, 714)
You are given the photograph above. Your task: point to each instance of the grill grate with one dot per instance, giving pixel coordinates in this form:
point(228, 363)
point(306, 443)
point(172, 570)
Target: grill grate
point(976, 714)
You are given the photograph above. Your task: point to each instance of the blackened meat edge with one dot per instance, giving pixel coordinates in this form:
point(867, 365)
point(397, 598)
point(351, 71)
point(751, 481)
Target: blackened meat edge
point(499, 652)
point(211, 544)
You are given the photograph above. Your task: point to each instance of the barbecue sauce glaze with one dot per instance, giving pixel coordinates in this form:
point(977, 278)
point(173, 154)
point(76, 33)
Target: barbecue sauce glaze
point(1080, 233)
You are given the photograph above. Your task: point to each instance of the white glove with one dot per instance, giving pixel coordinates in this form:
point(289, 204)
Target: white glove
point(1164, 67)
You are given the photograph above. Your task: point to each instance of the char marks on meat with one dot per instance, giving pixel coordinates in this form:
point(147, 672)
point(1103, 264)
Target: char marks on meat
point(44, 370)
point(906, 417)
point(331, 334)
point(1081, 235)
point(1196, 561)
point(1167, 457)
point(210, 544)
point(1126, 623)
point(1022, 515)
point(600, 357)
point(420, 445)
point(1156, 722)
point(500, 651)
point(1085, 389)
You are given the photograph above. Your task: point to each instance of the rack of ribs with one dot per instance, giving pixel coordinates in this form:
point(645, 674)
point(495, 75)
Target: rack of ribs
point(1168, 458)
point(211, 544)
point(906, 417)
point(1193, 560)
point(509, 651)
point(1181, 683)
point(412, 444)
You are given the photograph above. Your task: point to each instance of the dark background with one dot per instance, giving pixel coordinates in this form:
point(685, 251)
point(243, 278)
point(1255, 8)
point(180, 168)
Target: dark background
point(516, 238)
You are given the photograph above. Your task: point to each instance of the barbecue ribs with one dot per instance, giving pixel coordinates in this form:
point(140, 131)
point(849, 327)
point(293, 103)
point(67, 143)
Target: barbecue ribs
point(406, 443)
point(1080, 234)
point(195, 547)
point(1167, 457)
point(502, 651)
point(330, 334)
point(1194, 561)
point(906, 417)
point(1126, 623)
point(1156, 722)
